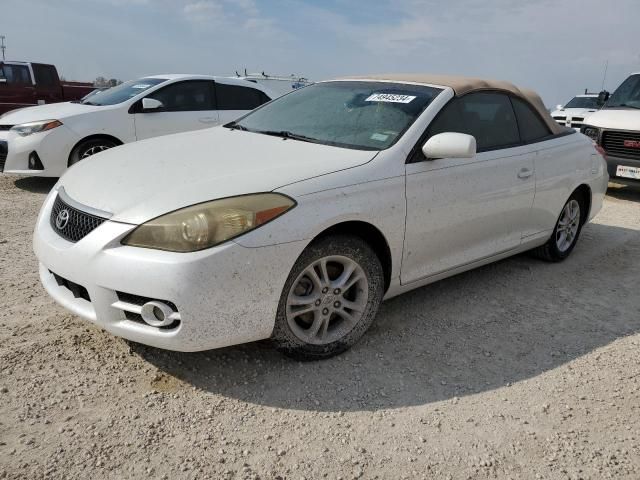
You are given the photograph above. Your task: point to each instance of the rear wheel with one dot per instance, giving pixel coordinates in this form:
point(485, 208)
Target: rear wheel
point(330, 298)
point(566, 232)
point(90, 147)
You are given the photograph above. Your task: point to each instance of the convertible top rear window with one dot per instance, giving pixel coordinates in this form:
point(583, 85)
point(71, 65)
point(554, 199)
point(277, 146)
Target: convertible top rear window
point(362, 115)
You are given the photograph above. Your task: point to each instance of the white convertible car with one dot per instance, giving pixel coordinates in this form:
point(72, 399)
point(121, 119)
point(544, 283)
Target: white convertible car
point(47, 139)
point(296, 221)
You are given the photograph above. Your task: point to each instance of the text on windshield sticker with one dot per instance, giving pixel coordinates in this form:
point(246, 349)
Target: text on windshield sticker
point(390, 97)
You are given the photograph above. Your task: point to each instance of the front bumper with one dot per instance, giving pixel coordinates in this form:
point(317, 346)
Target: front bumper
point(612, 167)
point(53, 148)
point(225, 295)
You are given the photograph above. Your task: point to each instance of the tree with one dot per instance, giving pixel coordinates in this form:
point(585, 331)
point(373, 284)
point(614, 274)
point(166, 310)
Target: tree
point(102, 82)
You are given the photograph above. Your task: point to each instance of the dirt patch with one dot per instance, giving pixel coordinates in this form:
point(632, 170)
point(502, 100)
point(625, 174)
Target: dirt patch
point(520, 369)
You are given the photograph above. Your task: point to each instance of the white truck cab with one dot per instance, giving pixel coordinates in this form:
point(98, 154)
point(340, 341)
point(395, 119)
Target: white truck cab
point(573, 113)
point(616, 129)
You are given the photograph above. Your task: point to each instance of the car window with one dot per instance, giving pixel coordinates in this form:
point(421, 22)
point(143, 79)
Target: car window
point(489, 117)
point(582, 102)
point(531, 126)
point(236, 97)
point(188, 96)
point(627, 94)
point(123, 92)
point(364, 115)
point(16, 74)
point(45, 75)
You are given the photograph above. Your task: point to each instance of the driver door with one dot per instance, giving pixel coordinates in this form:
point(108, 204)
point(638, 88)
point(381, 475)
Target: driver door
point(463, 210)
point(187, 105)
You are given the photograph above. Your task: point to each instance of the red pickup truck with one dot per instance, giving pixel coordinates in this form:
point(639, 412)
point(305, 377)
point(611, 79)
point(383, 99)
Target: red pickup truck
point(24, 84)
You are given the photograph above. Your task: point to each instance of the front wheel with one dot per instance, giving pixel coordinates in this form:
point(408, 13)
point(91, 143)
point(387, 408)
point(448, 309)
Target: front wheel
point(566, 232)
point(330, 298)
point(90, 147)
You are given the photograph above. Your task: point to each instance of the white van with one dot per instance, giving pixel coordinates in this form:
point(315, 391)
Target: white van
point(616, 129)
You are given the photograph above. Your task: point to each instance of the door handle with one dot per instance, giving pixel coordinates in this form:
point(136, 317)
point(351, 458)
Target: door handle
point(525, 173)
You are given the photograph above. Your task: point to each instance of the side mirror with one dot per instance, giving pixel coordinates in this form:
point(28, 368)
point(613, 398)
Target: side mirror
point(603, 96)
point(450, 145)
point(559, 107)
point(151, 104)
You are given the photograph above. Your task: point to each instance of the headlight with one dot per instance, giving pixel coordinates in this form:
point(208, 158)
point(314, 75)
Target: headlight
point(592, 132)
point(25, 129)
point(208, 224)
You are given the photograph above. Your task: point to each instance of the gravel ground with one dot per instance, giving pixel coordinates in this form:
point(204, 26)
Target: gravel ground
point(520, 369)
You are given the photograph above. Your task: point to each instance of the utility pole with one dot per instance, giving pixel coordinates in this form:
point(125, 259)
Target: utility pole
point(2, 47)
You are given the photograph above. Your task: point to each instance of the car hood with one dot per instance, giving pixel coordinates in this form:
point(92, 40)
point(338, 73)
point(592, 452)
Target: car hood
point(52, 111)
point(140, 181)
point(616, 118)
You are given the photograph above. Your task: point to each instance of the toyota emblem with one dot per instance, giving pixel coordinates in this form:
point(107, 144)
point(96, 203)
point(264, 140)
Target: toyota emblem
point(62, 219)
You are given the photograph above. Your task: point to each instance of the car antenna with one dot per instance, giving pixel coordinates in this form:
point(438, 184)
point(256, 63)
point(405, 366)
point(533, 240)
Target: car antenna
point(606, 67)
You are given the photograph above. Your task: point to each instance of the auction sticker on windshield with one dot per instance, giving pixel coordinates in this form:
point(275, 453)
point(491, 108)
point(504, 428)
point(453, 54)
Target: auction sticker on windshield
point(390, 97)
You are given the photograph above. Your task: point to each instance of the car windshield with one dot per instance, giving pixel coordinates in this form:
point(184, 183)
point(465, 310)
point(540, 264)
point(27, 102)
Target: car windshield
point(351, 114)
point(627, 94)
point(122, 92)
point(583, 102)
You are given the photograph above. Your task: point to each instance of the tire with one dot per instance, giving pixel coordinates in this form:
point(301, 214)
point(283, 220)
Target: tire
point(315, 321)
point(566, 232)
point(90, 147)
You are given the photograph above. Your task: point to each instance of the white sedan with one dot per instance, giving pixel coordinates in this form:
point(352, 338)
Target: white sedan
point(45, 140)
point(296, 221)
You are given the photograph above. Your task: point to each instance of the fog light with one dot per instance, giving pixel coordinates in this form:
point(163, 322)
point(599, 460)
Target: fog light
point(157, 314)
point(34, 162)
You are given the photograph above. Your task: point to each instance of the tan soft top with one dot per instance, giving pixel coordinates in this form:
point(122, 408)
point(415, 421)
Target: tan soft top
point(462, 85)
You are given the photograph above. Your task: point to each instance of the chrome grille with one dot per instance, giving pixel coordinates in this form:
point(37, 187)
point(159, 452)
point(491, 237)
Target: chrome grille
point(78, 224)
point(621, 144)
point(4, 150)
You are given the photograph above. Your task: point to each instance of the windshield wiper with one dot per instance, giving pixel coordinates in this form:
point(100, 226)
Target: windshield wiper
point(235, 126)
point(288, 135)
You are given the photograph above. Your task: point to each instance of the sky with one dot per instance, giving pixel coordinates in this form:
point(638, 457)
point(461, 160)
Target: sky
point(556, 47)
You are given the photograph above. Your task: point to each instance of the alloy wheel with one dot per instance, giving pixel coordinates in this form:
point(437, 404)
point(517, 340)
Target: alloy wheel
point(568, 225)
point(93, 150)
point(327, 300)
